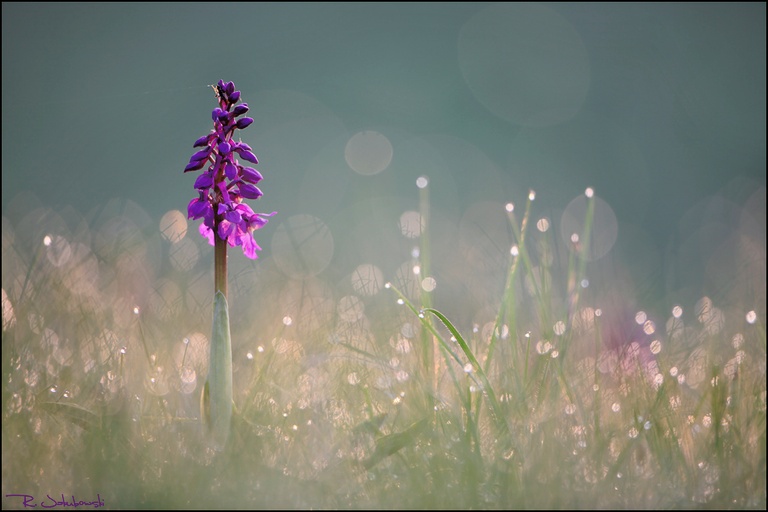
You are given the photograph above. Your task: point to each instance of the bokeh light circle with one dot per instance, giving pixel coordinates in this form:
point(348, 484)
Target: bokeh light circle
point(604, 229)
point(173, 226)
point(367, 279)
point(368, 152)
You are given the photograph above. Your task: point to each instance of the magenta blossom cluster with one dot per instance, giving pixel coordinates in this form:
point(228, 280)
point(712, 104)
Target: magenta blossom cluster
point(225, 182)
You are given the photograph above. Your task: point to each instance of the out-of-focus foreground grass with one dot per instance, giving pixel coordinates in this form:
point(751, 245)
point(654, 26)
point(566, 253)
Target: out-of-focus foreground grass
point(545, 385)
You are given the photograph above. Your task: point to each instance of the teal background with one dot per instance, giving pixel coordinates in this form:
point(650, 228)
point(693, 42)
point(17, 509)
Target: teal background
point(105, 100)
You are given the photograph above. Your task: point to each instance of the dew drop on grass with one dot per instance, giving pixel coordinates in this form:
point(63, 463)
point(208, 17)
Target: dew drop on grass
point(514, 251)
point(570, 409)
point(655, 346)
point(542, 224)
point(616, 407)
point(510, 207)
point(677, 311)
point(751, 317)
point(633, 433)
point(640, 317)
point(468, 368)
point(559, 327)
point(531, 195)
point(422, 182)
point(589, 192)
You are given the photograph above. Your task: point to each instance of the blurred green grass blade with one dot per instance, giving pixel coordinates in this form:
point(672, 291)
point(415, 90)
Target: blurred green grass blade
point(392, 443)
point(77, 414)
point(476, 367)
point(216, 403)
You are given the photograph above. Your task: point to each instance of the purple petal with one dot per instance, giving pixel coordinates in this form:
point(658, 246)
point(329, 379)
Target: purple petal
point(234, 97)
point(249, 191)
point(198, 208)
point(250, 246)
point(201, 155)
point(240, 109)
point(224, 148)
point(244, 122)
point(259, 220)
point(202, 141)
point(247, 155)
point(194, 166)
point(230, 171)
point(250, 175)
point(216, 114)
point(207, 233)
point(233, 216)
point(226, 228)
point(223, 189)
point(244, 210)
point(203, 181)
point(230, 87)
point(243, 145)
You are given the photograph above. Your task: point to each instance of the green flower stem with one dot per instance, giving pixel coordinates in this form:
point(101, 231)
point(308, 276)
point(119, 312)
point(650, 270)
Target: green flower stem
point(216, 400)
point(220, 265)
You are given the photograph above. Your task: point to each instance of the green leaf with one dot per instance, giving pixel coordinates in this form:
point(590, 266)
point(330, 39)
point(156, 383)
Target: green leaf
point(216, 400)
point(392, 443)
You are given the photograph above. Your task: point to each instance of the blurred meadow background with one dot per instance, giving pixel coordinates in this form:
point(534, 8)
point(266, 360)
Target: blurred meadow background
point(518, 262)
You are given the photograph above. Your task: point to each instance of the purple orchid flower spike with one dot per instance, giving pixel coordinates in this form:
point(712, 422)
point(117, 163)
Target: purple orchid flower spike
point(227, 220)
point(225, 183)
